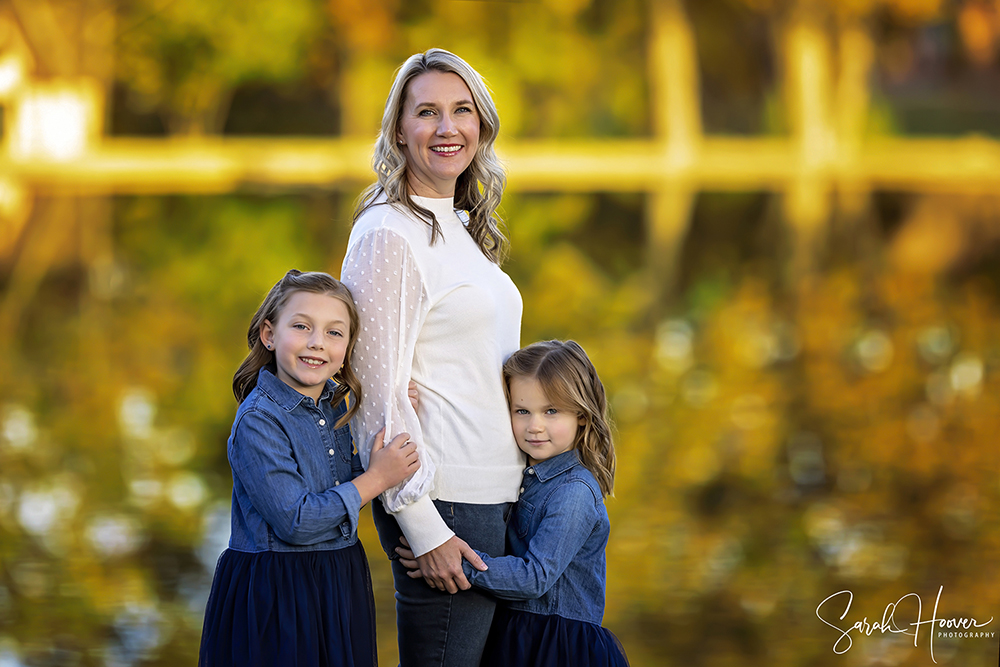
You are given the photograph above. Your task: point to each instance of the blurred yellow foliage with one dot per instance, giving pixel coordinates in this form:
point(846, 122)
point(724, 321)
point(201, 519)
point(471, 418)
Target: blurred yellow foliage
point(782, 433)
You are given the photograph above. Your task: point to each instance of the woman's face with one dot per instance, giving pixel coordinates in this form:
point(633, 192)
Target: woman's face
point(439, 130)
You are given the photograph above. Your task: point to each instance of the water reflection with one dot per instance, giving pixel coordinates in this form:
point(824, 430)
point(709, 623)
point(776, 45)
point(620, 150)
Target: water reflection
point(966, 374)
point(806, 464)
point(923, 424)
point(19, 430)
point(113, 536)
point(136, 413)
point(186, 490)
point(675, 345)
point(874, 350)
point(140, 630)
point(771, 448)
point(936, 343)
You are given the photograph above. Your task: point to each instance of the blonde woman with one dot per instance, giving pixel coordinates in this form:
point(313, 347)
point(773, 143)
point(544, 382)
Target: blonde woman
point(423, 263)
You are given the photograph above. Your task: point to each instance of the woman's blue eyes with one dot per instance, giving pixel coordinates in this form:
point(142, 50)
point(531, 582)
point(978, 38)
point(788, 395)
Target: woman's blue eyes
point(427, 112)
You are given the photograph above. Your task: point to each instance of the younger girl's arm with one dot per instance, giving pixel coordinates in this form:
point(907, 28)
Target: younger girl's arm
point(262, 462)
point(570, 516)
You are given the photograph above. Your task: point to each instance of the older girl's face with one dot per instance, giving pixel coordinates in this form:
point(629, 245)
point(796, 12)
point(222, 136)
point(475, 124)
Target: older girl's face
point(309, 339)
point(439, 131)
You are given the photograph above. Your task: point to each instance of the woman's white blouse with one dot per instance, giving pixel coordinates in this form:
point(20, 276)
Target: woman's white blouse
point(446, 317)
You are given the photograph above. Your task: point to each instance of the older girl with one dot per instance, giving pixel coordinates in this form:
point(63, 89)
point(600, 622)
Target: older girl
point(293, 588)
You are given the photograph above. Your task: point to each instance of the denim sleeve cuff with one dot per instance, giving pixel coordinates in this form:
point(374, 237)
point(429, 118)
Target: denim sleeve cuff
point(469, 570)
point(423, 526)
point(352, 503)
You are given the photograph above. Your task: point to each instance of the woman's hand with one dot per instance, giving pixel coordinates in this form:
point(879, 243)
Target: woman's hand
point(408, 560)
point(437, 567)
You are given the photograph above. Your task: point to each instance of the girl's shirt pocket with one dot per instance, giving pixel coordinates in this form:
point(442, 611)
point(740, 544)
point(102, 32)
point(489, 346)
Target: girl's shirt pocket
point(521, 519)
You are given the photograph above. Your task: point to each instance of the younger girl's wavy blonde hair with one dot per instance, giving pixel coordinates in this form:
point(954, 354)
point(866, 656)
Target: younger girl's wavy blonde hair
point(569, 381)
point(479, 187)
point(259, 357)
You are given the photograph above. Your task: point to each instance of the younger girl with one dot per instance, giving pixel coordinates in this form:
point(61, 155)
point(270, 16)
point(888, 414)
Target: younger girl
point(294, 587)
point(553, 578)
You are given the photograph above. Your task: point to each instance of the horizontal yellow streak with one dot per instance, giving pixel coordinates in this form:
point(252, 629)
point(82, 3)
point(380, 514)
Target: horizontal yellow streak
point(215, 165)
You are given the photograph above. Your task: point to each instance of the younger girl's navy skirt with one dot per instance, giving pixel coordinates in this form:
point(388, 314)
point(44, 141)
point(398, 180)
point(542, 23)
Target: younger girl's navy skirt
point(304, 608)
point(541, 640)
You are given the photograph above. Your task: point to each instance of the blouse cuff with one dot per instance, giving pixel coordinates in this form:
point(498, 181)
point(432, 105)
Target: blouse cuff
point(423, 526)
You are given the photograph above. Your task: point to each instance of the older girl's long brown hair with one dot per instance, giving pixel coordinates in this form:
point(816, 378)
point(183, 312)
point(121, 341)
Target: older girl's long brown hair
point(569, 380)
point(259, 357)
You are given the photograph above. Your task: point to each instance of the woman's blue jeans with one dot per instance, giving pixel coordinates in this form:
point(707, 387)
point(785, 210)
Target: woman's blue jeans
point(435, 628)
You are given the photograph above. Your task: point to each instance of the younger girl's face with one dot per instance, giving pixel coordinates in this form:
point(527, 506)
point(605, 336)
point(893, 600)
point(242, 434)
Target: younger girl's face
point(541, 429)
point(309, 340)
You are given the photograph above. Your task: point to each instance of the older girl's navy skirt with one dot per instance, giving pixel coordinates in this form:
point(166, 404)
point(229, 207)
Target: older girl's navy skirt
point(542, 640)
point(305, 608)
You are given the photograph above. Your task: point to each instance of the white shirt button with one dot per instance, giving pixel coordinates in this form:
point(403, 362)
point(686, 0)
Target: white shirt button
point(522, 490)
point(337, 483)
point(322, 422)
point(531, 471)
point(332, 452)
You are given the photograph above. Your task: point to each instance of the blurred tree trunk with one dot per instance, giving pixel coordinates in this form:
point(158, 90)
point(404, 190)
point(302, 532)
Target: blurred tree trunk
point(676, 114)
point(70, 41)
point(807, 78)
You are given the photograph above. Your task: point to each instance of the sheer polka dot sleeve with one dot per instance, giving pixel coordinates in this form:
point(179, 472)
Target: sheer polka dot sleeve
point(392, 305)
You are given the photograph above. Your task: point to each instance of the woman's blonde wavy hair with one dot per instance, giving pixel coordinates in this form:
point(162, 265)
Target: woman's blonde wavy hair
point(479, 188)
point(569, 381)
point(270, 309)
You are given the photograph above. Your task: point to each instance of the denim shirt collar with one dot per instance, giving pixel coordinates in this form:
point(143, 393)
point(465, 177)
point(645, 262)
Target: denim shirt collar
point(557, 465)
point(285, 396)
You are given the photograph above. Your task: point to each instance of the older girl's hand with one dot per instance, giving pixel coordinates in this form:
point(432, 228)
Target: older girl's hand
point(388, 466)
point(393, 463)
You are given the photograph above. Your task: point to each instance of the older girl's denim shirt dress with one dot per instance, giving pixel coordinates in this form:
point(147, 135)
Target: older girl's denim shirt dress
point(556, 535)
point(292, 471)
